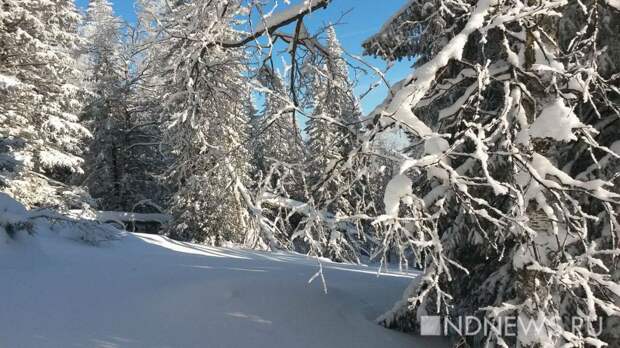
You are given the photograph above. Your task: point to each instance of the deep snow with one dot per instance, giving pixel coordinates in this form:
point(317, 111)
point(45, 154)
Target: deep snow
point(150, 291)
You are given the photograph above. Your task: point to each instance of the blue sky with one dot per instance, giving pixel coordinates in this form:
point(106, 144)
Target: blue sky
point(362, 18)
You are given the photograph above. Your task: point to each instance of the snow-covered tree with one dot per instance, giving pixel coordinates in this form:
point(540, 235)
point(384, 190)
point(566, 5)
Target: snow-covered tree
point(124, 158)
point(102, 34)
point(106, 112)
point(310, 192)
point(203, 88)
point(507, 194)
point(333, 182)
point(278, 134)
point(41, 138)
point(277, 149)
point(336, 114)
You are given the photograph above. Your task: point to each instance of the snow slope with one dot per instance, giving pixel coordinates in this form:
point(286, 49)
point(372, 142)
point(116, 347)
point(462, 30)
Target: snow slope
point(150, 291)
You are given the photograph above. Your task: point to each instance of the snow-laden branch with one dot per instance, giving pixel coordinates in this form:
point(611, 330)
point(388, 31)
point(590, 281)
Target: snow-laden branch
point(278, 20)
point(413, 89)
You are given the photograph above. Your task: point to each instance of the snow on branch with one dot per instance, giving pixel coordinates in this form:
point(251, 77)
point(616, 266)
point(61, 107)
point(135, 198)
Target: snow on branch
point(614, 3)
point(412, 90)
point(418, 83)
point(289, 15)
point(278, 20)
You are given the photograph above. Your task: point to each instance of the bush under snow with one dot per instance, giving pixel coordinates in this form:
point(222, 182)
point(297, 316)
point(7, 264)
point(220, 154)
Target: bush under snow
point(15, 218)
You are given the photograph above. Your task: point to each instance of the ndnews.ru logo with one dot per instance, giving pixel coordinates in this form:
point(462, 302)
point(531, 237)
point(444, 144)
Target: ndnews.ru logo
point(506, 326)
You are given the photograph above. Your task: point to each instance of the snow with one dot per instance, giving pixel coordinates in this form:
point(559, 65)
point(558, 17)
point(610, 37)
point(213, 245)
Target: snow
point(481, 154)
point(545, 59)
point(398, 189)
point(543, 171)
point(457, 105)
point(615, 147)
point(556, 121)
point(52, 158)
point(9, 205)
point(614, 3)
point(7, 82)
point(274, 19)
point(12, 213)
point(150, 291)
point(105, 216)
point(411, 90)
point(435, 145)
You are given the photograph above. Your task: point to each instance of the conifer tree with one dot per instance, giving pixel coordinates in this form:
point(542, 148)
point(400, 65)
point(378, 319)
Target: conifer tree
point(106, 112)
point(279, 137)
point(336, 114)
point(41, 138)
point(203, 91)
point(333, 129)
point(510, 109)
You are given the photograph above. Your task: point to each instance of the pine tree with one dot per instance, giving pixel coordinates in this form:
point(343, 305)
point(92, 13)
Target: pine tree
point(511, 108)
point(125, 159)
point(278, 136)
point(336, 116)
point(101, 32)
point(106, 112)
point(279, 149)
point(42, 140)
point(203, 88)
point(335, 182)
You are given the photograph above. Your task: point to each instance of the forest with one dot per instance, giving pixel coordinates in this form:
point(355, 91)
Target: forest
point(484, 185)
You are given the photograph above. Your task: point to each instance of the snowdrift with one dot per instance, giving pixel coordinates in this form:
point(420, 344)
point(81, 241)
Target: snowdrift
point(138, 290)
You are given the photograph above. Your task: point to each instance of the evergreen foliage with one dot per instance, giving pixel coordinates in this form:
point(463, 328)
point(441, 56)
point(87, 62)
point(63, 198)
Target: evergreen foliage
point(41, 138)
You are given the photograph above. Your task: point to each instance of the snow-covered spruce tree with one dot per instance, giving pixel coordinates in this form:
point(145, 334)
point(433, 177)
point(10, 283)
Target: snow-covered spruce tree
point(106, 111)
point(123, 112)
point(143, 186)
point(336, 113)
point(320, 205)
point(507, 197)
point(277, 148)
point(204, 87)
point(278, 136)
point(41, 139)
point(101, 31)
point(255, 145)
point(334, 184)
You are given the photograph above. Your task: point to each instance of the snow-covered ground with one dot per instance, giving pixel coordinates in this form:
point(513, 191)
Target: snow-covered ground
point(150, 291)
